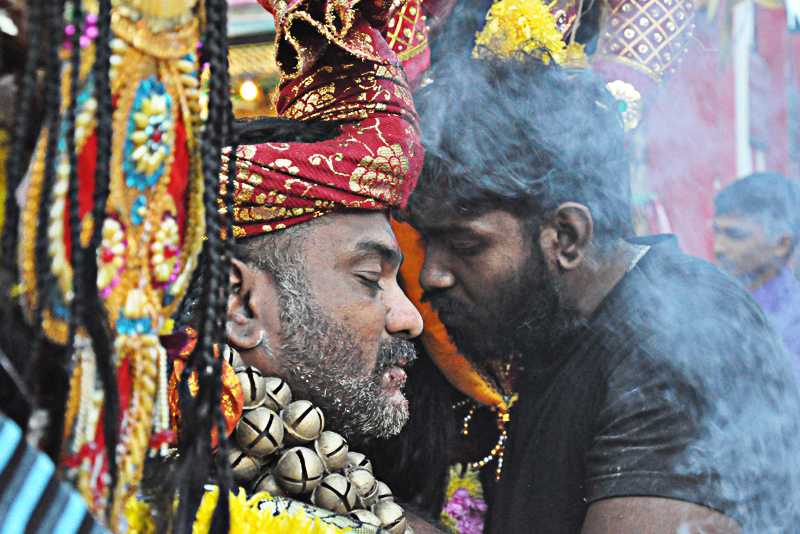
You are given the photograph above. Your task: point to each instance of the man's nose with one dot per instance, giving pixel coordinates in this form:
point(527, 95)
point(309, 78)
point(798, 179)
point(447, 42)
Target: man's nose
point(433, 274)
point(402, 320)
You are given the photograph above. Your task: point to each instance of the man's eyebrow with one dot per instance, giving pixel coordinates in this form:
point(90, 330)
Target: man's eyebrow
point(388, 254)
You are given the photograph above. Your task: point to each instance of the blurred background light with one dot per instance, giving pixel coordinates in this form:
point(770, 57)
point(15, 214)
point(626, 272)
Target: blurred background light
point(248, 90)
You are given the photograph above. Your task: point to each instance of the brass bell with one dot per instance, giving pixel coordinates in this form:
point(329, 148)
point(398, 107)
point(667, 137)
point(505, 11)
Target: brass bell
point(244, 468)
point(259, 432)
point(365, 516)
point(369, 499)
point(391, 516)
point(253, 387)
point(299, 470)
point(303, 422)
point(365, 485)
point(278, 394)
point(335, 493)
point(409, 530)
point(384, 493)
point(356, 459)
point(267, 482)
point(231, 355)
point(332, 449)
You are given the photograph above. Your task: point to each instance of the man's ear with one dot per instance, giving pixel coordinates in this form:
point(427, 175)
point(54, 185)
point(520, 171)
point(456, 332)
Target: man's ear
point(243, 328)
point(566, 240)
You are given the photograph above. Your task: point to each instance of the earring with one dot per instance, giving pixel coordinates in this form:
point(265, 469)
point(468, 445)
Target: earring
point(261, 339)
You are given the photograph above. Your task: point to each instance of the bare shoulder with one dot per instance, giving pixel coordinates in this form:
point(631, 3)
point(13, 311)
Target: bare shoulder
point(655, 515)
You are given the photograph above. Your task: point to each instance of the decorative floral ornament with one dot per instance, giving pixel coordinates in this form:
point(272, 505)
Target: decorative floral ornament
point(629, 101)
point(55, 232)
point(165, 251)
point(150, 130)
point(111, 256)
point(464, 510)
point(520, 26)
point(88, 34)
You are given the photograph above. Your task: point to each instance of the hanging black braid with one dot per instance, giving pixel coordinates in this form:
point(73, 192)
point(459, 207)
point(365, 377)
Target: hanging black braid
point(95, 319)
point(56, 377)
point(203, 413)
point(15, 167)
point(56, 434)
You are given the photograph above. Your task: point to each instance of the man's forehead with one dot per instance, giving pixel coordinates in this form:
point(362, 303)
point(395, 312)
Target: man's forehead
point(360, 234)
point(483, 223)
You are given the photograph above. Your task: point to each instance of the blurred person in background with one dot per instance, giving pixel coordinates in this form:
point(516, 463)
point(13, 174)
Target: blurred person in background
point(755, 236)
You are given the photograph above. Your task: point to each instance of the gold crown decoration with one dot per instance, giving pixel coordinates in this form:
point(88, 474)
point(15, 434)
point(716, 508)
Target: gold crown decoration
point(520, 26)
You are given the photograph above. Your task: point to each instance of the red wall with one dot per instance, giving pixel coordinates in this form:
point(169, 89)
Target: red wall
point(690, 131)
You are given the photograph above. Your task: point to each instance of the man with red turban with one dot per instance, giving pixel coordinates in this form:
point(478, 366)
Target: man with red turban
point(314, 296)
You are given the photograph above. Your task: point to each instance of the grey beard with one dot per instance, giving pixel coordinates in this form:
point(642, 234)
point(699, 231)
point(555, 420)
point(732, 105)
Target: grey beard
point(324, 360)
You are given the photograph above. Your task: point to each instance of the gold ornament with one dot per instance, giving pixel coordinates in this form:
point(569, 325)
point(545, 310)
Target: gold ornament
point(267, 482)
point(231, 355)
point(303, 421)
point(278, 394)
point(338, 479)
point(332, 448)
point(253, 386)
point(384, 493)
point(245, 468)
point(336, 493)
point(356, 459)
point(365, 484)
point(299, 470)
point(391, 516)
point(259, 432)
point(365, 516)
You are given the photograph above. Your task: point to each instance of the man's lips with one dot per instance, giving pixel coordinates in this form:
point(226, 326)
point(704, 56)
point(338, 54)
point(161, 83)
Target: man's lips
point(394, 376)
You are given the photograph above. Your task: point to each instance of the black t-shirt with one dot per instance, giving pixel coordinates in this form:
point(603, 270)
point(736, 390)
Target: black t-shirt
point(676, 387)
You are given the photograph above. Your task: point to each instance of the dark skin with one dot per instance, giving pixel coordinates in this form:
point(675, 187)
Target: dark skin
point(352, 261)
point(472, 258)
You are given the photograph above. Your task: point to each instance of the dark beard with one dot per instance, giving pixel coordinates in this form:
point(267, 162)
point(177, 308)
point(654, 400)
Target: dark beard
point(529, 316)
point(325, 362)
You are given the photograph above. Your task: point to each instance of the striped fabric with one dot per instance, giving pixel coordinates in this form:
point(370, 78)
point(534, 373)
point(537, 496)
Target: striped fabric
point(32, 499)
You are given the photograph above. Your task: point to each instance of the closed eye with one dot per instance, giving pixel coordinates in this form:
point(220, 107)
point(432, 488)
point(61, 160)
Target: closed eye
point(369, 282)
point(464, 247)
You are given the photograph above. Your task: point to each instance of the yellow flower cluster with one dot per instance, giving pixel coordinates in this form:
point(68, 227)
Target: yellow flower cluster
point(139, 517)
point(520, 26)
point(469, 481)
point(246, 517)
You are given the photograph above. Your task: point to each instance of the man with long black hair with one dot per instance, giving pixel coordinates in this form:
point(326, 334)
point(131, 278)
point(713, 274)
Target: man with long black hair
point(653, 394)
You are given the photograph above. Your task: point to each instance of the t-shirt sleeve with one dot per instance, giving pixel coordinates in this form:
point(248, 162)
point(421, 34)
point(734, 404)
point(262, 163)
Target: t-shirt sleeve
point(647, 425)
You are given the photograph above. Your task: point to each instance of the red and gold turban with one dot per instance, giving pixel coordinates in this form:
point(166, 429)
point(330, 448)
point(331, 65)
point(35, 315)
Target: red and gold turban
point(335, 65)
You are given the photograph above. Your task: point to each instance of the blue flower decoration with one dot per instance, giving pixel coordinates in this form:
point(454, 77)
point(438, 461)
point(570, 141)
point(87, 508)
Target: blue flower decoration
point(149, 135)
point(139, 210)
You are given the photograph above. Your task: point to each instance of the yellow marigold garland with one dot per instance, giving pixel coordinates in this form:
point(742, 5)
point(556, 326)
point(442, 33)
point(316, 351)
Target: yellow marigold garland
point(138, 514)
point(520, 25)
point(246, 518)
